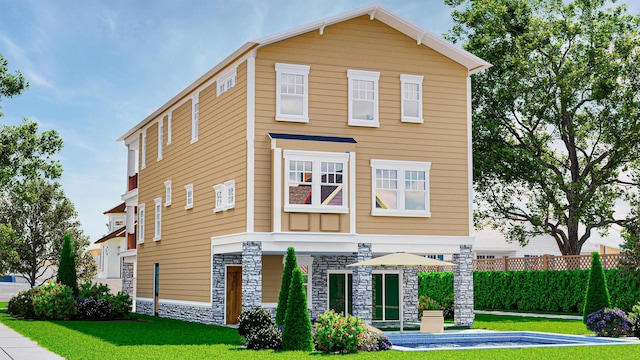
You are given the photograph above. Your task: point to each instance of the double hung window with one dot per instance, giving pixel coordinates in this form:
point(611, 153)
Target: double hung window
point(400, 188)
point(411, 98)
point(292, 92)
point(225, 195)
point(363, 98)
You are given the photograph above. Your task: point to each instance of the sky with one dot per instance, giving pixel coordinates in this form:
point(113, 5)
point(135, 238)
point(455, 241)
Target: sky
point(97, 68)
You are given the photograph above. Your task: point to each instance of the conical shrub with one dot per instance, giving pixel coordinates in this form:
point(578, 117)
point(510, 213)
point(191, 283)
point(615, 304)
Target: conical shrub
point(290, 263)
point(297, 334)
point(597, 296)
point(67, 265)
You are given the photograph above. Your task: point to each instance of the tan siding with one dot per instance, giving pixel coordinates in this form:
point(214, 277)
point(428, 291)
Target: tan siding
point(184, 251)
point(363, 44)
point(272, 268)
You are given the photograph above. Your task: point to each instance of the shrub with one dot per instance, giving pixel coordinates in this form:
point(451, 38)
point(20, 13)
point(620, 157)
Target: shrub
point(22, 304)
point(92, 309)
point(369, 342)
point(426, 303)
point(267, 337)
point(447, 307)
point(250, 321)
point(67, 274)
point(95, 291)
point(289, 264)
point(597, 294)
point(609, 322)
point(55, 301)
point(338, 333)
point(384, 343)
point(297, 333)
point(636, 326)
point(120, 304)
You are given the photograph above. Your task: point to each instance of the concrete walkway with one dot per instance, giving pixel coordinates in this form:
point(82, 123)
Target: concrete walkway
point(549, 316)
point(14, 346)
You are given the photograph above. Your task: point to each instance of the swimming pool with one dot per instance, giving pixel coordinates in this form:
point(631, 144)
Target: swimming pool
point(491, 340)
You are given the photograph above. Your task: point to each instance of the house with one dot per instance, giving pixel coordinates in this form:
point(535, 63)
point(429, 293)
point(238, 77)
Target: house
point(347, 138)
point(114, 255)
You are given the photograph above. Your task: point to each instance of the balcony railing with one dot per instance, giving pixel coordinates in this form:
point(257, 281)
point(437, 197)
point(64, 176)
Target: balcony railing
point(133, 182)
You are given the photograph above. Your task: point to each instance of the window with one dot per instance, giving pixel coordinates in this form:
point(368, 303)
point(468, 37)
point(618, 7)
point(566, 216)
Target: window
point(315, 181)
point(141, 223)
point(189, 189)
point(292, 92)
point(363, 98)
point(400, 188)
point(160, 136)
point(167, 193)
point(143, 153)
point(435, 257)
point(101, 262)
point(157, 219)
point(225, 196)
point(195, 114)
point(411, 98)
point(118, 223)
point(484, 257)
point(169, 129)
point(226, 81)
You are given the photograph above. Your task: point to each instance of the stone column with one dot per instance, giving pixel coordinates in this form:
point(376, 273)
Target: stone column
point(410, 293)
point(217, 288)
point(463, 286)
point(127, 278)
point(251, 275)
point(362, 285)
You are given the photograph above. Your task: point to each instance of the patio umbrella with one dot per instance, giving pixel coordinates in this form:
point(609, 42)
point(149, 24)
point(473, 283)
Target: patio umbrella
point(401, 260)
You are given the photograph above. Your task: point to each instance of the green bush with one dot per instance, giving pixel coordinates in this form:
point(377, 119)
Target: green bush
point(297, 333)
point(22, 304)
point(120, 304)
point(290, 263)
point(55, 302)
point(265, 338)
point(597, 293)
point(67, 274)
point(92, 309)
point(95, 291)
point(426, 303)
point(250, 321)
point(338, 333)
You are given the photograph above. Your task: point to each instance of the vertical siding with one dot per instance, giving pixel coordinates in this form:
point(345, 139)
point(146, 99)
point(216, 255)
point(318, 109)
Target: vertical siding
point(184, 251)
point(363, 44)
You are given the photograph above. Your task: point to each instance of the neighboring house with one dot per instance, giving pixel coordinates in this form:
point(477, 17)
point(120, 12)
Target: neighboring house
point(347, 139)
point(114, 251)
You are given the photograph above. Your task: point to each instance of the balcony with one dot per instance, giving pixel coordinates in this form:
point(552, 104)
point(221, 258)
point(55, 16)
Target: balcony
point(133, 182)
point(131, 241)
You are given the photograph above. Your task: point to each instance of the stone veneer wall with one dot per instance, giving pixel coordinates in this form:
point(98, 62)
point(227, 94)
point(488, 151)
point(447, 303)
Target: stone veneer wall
point(127, 278)
point(144, 307)
point(362, 285)
point(201, 314)
point(320, 277)
point(463, 286)
point(410, 292)
point(218, 296)
point(251, 275)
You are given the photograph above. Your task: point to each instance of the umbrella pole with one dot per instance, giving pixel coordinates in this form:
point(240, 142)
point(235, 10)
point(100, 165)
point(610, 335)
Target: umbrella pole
point(401, 301)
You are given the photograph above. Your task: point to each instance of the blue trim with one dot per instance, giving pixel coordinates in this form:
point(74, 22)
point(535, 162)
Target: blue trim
point(313, 138)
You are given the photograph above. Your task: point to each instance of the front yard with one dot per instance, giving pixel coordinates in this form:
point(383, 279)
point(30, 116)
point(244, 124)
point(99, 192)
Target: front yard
point(157, 338)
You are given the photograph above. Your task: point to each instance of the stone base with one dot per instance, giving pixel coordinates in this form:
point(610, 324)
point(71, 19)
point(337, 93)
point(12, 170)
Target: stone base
point(199, 314)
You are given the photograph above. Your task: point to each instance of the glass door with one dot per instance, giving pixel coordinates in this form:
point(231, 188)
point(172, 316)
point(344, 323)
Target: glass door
point(386, 297)
point(340, 290)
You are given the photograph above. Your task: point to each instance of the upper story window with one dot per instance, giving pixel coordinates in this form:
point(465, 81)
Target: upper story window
point(363, 98)
point(141, 213)
point(292, 92)
point(167, 193)
point(225, 196)
point(315, 181)
point(169, 121)
point(189, 189)
point(226, 81)
point(400, 188)
point(411, 98)
point(157, 219)
point(160, 137)
point(143, 152)
point(195, 114)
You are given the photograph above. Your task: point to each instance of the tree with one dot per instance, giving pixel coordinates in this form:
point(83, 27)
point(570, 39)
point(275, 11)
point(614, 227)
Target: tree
point(9, 242)
point(67, 274)
point(297, 334)
point(40, 215)
point(290, 263)
point(630, 261)
point(597, 295)
point(556, 125)
point(10, 84)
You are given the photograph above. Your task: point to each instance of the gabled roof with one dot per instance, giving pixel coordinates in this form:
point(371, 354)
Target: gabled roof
point(374, 11)
point(114, 234)
point(118, 209)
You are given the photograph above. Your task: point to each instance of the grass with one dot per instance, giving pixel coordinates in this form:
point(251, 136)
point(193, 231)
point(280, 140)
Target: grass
point(157, 338)
point(3, 304)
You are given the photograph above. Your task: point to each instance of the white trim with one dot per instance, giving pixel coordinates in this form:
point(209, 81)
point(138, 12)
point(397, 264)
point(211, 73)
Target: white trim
point(230, 187)
point(188, 188)
point(222, 195)
point(143, 152)
point(417, 80)
point(277, 189)
point(138, 298)
point(472, 230)
point(269, 305)
point(384, 286)
point(157, 219)
point(293, 69)
point(167, 193)
point(169, 120)
point(195, 117)
point(141, 223)
point(185, 302)
point(222, 80)
point(317, 157)
point(352, 193)
point(160, 136)
point(251, 123)
point(360, 75)
point(224, 307)
point(401, 167)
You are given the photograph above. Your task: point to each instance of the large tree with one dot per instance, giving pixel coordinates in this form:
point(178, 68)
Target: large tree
point(40, 215)
point(556, 120)
point(10, 84)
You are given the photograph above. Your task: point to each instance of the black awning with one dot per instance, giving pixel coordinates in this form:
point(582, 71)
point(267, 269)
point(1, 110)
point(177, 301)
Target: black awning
point(335, 139)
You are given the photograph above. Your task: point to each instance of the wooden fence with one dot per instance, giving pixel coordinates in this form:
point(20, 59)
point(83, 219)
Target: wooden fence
point(544, 262)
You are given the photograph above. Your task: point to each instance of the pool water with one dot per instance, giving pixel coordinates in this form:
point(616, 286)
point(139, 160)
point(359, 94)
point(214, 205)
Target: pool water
point(492, 340)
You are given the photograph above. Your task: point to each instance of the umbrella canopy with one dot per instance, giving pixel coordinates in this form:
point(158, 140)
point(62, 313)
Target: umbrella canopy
point(402, 259)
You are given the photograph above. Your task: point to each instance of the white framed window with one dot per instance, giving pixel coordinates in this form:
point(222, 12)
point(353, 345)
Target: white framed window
point(195, 115)
point(118, 223)
point(305, 264)
point(143, 153)
point(160, 136)
point(485, 257)
point(141, 213)
point(167, 193)
point(411, 92)
point(189, 190)
point(103, 249)
point(157, 221)
point(292, 92)
point(169, 121)
point(225, 196)
point(400, 188)
point(363, 98)
point(226, 81)
point(315, 181)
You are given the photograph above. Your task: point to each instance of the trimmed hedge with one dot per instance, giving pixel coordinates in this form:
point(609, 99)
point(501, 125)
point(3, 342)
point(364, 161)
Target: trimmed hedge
point(540, 290)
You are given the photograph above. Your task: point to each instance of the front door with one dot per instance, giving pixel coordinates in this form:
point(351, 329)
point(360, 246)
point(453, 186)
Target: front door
point(234, 294)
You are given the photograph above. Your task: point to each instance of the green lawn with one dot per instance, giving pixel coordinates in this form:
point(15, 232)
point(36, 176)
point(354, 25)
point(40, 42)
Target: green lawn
point(3, 304)
point(157, 338)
